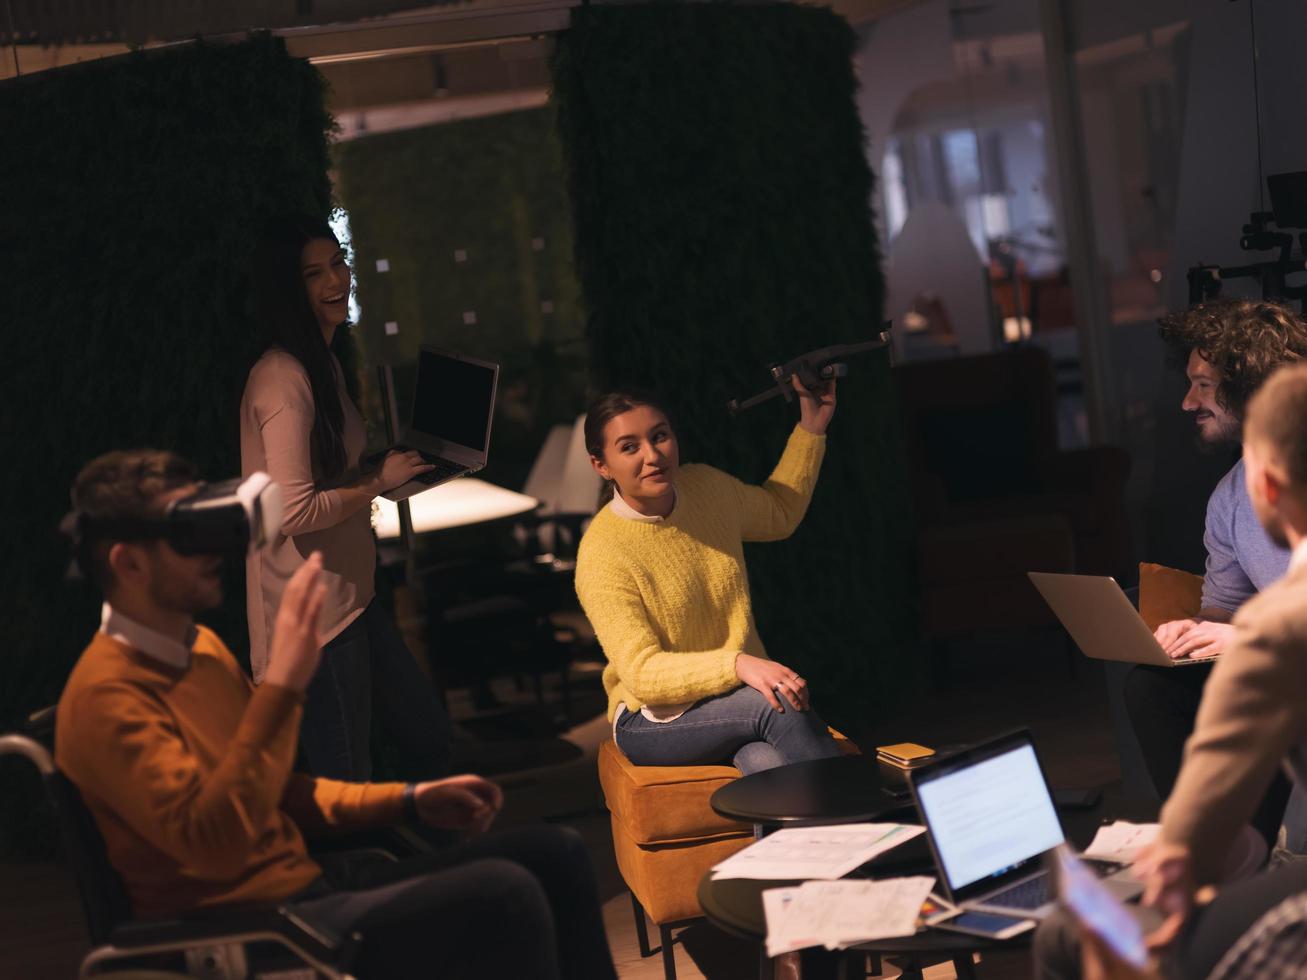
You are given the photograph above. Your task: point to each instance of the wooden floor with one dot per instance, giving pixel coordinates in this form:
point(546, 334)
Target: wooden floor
point(1021, 681)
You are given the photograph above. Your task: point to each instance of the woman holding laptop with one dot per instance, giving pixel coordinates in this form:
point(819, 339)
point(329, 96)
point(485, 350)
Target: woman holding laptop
point(300, 424)
point(661, 576)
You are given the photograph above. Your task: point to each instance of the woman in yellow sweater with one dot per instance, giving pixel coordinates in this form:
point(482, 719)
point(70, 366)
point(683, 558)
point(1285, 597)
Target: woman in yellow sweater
point(661, 577)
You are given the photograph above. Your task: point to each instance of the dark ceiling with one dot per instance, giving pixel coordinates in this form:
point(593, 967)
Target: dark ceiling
point(51, 22)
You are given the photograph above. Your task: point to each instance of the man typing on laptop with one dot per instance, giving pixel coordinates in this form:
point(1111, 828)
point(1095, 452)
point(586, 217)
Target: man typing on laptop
point(1228, 347)
point(1253, 719)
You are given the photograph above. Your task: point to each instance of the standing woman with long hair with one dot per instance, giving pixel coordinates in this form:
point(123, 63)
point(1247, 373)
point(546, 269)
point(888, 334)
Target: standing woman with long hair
point(300, 424)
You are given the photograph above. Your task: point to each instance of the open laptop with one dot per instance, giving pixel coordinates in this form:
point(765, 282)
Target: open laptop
point(1102, 620)
point(990, 821)
point(453, 405)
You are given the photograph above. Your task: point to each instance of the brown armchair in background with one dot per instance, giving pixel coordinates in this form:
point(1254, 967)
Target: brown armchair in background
point(995, 498)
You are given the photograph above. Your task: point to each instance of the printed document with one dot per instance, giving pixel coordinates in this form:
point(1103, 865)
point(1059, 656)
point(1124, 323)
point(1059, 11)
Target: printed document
point(827, 853)
point(836, 914)
point(1121, 841)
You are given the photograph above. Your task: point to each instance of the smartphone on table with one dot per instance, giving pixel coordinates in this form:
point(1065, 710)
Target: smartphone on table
point(986, 924)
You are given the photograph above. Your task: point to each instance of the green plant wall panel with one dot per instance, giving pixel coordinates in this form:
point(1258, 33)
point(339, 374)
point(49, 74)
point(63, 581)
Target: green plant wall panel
point(131, 191)
point(721, 200)
point(472, 219)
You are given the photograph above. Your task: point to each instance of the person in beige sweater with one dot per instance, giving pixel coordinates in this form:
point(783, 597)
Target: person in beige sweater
point(1251, 722)
point(299, 424)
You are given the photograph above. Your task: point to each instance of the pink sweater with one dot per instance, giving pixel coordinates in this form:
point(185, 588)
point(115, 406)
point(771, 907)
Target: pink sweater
point(276, 419)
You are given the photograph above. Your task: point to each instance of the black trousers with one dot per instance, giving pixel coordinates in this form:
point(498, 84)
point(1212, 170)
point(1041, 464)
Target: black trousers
point(366, 672)
point(1162, 703)
point(1214, 928)
point(518, 904)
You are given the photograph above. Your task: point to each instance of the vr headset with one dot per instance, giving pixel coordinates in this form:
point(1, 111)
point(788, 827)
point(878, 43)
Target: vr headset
point(231, 518)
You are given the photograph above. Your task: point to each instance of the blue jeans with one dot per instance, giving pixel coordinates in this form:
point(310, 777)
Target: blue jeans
point(368, 666)
point(740, 726)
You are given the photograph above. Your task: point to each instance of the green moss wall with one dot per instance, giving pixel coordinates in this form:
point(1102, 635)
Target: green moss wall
point(131, 190)
point(721, 200)
point(474, 221)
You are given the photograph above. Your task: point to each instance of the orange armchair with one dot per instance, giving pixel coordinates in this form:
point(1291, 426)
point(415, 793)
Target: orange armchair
point(666, 838)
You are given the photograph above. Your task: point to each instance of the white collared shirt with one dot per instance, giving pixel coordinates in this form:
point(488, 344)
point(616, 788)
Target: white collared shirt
point(1298, 557)
point(625, 511)
point(129, 632)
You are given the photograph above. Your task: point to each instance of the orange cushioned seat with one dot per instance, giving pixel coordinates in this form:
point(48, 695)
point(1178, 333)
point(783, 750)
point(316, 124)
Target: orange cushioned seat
point(665, 833)
point(666, 836)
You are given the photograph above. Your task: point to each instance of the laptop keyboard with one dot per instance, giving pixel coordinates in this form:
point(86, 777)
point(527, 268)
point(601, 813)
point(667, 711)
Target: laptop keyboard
point(445, 469)
point(1024, 895)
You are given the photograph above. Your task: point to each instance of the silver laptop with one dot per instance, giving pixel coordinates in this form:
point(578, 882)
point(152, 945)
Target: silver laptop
point(990, 821)
point(1102, 619)
point(453, 405)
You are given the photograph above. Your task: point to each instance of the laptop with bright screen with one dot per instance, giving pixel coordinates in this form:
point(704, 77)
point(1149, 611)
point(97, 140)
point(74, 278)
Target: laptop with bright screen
point(991, 816)
point(990, 819)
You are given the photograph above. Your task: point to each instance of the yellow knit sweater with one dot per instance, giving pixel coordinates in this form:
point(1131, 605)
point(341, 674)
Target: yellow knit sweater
point(669, 601)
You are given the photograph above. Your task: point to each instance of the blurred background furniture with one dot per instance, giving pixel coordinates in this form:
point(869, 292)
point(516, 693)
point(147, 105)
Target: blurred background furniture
point(995, 497)
point(504, 601)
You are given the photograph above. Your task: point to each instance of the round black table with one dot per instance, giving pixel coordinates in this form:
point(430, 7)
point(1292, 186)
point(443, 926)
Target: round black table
point(735, 906)
point(845, 789)
point(848, 789)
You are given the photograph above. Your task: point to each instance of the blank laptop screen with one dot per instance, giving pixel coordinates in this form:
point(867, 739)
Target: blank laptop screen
point(452, 400)
point(989, 816)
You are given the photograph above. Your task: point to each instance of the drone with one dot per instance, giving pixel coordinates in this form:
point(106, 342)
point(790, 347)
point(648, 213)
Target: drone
point(812, 369)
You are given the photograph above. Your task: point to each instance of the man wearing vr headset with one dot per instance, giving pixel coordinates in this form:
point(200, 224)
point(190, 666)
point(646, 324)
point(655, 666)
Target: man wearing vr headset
point(186, 766)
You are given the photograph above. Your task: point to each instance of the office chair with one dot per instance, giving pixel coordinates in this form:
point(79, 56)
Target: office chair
point(211, 940)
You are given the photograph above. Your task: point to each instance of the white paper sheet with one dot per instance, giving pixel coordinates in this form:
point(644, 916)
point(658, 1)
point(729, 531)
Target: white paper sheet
point(1121, 841)
point(827, 853)
point(836, 914)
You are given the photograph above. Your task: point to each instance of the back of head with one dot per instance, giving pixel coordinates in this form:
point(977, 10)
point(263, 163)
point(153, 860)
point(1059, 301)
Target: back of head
point(1277, 423)
point(1244, 339)
point(121, 486)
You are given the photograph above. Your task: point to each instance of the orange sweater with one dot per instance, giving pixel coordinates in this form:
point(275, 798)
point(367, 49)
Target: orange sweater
point(188, 777)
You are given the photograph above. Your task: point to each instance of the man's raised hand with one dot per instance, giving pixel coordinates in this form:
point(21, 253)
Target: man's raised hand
point(296, 646)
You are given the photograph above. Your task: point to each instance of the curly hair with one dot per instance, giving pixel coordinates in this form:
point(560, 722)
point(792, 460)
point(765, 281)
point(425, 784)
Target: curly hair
point(1244, 339)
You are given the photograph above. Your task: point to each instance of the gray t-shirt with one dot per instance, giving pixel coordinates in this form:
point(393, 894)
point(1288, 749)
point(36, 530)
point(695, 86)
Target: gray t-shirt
point(1241, 558)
